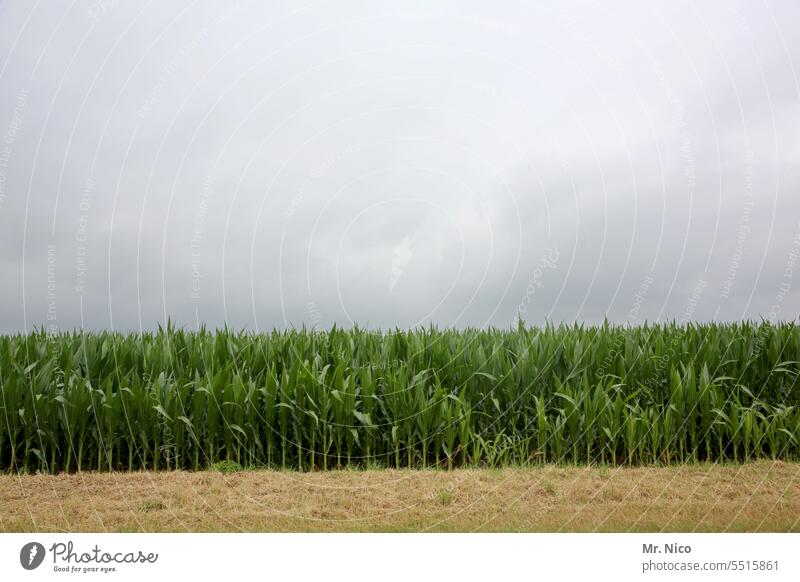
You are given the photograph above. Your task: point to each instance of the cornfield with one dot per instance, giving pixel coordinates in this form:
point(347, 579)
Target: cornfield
point(312, 400)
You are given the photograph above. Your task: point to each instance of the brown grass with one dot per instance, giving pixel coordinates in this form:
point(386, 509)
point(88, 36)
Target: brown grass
point(763, 496)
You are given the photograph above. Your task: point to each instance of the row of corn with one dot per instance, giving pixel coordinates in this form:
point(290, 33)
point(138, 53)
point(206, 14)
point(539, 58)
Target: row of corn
point(310, 400)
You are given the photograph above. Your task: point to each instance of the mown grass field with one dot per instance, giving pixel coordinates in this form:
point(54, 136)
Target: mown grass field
point(746, 497)
point(426, 398)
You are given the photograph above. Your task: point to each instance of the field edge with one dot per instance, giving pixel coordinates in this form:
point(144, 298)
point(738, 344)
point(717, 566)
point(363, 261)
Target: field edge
point(758, 496)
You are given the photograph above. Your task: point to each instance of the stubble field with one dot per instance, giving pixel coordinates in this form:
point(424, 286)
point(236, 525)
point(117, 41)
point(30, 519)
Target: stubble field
point(753, 497)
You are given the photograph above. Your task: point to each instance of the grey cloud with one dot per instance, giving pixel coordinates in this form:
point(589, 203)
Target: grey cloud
point(389, 164)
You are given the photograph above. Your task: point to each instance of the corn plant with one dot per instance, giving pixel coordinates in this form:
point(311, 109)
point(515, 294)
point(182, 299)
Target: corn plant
point(315, 400)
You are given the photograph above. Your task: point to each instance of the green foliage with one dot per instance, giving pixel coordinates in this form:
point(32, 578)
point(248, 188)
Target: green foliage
point(227, 467)
point(422, 398)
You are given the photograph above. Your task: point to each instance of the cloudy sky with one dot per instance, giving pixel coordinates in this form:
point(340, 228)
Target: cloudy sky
point(273, 164)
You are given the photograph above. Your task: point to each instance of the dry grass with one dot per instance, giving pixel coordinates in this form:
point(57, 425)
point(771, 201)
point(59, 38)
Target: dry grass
point(762, 496)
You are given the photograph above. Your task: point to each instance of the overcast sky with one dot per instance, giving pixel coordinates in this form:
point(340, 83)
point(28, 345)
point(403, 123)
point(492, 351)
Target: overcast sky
point(273, 164)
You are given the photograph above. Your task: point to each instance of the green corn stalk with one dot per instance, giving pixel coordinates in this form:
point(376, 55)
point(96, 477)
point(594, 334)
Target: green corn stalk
point(424, 397)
